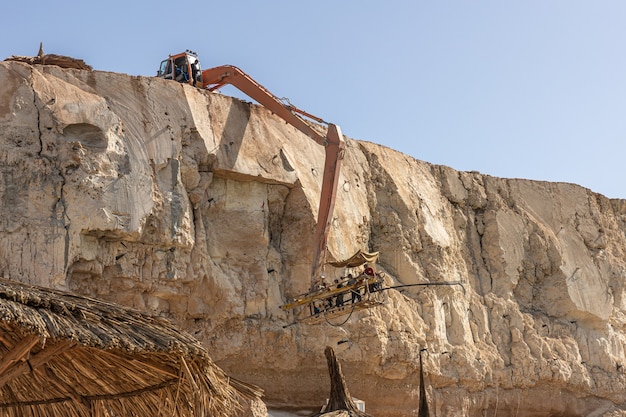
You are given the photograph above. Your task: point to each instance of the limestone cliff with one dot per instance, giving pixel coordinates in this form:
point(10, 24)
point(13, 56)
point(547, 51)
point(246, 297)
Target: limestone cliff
point(201, 208)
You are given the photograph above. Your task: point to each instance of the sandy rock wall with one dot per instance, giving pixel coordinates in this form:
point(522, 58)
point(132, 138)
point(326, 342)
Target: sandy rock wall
point(202, 208)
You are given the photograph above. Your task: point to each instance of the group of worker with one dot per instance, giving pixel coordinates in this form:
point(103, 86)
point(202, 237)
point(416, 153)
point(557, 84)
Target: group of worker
point(338, 300)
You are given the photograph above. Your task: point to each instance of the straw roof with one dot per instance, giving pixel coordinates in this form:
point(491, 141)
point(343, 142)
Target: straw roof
point(65, 355)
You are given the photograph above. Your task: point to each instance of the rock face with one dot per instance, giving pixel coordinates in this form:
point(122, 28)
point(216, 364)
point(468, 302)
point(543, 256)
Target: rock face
point(201, 208)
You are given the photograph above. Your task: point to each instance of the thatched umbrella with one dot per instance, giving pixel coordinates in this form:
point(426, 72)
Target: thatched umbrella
point(65, 355)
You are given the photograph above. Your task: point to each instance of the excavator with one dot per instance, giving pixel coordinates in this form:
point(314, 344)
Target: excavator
point(322, 302)
point(185, 67)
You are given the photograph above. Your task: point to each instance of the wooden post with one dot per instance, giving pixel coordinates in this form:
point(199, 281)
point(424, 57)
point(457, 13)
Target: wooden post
point(340, 398)
point(423, 407)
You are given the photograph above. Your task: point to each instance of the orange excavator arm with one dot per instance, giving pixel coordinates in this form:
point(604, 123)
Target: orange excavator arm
point(214, 78)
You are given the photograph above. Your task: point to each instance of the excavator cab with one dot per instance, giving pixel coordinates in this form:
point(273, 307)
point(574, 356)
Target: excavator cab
point(183, 67)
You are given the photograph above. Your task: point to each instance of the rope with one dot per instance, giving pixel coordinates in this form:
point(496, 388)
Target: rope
point(341, 324)
point(424, 284)
point(369, 293)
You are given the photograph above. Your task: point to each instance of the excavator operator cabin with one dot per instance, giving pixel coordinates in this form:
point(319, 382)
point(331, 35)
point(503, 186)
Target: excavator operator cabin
point(182, 68)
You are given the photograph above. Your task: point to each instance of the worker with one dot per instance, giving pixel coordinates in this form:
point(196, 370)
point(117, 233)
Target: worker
point(356, 292)
point(339, 302)
point(194, 71)
point(376, 284)
point(316, 310)
point(351, 280)
point(182, 72)
point(339, 297)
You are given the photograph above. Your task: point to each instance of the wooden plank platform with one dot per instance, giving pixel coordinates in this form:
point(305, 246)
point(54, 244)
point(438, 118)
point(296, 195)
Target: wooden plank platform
point(335, 312)
point(326, 293)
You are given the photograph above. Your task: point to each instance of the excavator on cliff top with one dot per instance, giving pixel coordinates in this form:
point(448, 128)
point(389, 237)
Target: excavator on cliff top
point(185, 67)
point(322, 302)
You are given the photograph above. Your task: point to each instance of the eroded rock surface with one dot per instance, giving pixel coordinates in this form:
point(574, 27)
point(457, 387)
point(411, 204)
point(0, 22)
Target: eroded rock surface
point(201, 208)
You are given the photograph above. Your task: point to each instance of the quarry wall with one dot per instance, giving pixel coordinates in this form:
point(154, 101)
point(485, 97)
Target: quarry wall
point(201, 208)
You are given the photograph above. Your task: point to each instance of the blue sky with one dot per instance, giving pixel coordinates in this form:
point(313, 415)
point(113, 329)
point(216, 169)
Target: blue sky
point(519, 89)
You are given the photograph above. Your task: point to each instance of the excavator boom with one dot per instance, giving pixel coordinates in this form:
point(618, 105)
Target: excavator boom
point(333, 143)
point(332, 164)
point(215, 78)
point(185, 68)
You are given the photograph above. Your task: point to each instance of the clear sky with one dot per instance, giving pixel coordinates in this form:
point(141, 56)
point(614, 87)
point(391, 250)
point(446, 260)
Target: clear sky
point(519, 89)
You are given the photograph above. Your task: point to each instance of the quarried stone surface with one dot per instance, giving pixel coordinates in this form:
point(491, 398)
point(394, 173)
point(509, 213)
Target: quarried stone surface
point(201, 208)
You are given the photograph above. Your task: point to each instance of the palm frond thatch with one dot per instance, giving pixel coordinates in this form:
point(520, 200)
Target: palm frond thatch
point(65, 355)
